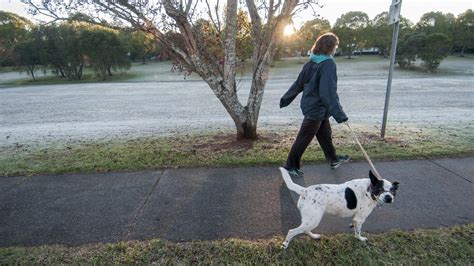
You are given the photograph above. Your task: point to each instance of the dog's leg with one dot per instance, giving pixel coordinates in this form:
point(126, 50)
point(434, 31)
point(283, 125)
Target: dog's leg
point(313, 222)
point(292, 233)
point(357, 229)
point(309, 220)
point(313, 235)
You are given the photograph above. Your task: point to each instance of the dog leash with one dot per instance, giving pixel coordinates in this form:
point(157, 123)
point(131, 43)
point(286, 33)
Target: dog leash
point(363, 151)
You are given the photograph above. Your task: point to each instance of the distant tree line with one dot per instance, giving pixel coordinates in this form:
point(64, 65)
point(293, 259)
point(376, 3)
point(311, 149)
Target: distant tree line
point(434, 37)
point(66, 48)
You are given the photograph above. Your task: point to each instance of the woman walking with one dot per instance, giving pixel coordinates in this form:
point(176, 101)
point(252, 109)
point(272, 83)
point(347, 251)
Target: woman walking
point(318, 82)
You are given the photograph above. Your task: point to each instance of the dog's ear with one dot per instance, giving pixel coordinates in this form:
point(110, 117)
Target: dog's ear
point(373, 178)
point(395, 185)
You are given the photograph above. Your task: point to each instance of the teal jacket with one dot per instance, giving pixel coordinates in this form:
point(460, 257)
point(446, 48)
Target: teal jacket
point(318, 82)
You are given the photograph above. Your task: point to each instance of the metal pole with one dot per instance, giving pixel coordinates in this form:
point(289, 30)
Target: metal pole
point(396, 28)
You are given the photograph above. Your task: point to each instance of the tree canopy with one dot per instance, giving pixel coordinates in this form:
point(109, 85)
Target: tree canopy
point(351, 28)
point(13, 30)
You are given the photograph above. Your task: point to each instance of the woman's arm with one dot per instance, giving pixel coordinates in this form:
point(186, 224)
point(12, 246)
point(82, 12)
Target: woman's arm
point(298, 85)
point(328, 91)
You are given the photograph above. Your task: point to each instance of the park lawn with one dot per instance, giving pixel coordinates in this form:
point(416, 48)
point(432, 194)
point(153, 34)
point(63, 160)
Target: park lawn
point(154, 71)
point(7, 69)
point(427, 247)
point(221, 149)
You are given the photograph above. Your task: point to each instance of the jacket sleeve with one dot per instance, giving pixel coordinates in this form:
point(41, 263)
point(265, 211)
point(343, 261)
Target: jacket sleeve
point(328, 92)
point(297, 86)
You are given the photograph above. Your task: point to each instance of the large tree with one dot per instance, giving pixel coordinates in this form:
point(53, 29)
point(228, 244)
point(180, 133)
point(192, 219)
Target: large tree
point(307, 34)
point(436, 47)
point(464, 31)
point(267, 17)
point(380, 33)
point(104, 48)
point(140, 44)
point(13, 30)
point(26, 52)
point(59, 49)
point(351, 28)
point(409, 46)
point(437, 22)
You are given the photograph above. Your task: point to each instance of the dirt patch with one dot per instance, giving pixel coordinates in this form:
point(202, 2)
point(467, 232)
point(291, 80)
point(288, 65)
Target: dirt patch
point(222, 142)
point(228, 142)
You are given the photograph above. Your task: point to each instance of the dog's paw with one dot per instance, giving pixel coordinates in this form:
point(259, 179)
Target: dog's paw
point(314, 236)
point(284, 245)
point(361, 238)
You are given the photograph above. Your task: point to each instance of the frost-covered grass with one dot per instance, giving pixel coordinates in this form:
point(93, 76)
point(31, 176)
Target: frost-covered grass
point(153, 71)
point(222, 149)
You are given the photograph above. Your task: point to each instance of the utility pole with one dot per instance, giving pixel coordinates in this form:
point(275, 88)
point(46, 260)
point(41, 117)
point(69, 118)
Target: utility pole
point(393, 18)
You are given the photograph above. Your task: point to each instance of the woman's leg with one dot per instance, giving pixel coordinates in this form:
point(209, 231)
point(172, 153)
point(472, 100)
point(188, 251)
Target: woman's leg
point(306, 134)
point(324, 136)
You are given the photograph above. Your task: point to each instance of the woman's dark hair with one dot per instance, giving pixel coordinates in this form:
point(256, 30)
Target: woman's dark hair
point(325, 43)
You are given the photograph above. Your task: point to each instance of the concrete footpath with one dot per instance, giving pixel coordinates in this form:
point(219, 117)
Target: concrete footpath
point(216, 203)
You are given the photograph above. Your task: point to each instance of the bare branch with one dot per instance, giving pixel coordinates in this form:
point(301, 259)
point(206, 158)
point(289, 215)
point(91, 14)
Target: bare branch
point(307, 4)
point(188, 7)
point(271, 10)
point(209, 12)
point(44, 10)
point(193, 10)
point(217, 15)
point(255, 19)
point(183, 24)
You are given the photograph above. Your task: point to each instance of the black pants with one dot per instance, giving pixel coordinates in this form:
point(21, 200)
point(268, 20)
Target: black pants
point(310, 128)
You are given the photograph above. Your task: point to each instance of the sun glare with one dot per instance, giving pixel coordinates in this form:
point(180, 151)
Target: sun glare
point(289, 30)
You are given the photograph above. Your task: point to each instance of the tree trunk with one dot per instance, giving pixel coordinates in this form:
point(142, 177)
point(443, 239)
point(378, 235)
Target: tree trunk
point(245, 121)
point(32, 72)
point(103, 72)
point(247, 130)
point(81, 67)
point(60, 71)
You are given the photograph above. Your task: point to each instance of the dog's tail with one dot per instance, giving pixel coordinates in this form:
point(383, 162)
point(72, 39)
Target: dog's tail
point(289, 183)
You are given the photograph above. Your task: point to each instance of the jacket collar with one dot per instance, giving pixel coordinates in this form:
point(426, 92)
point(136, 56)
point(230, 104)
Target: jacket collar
point(318, 58)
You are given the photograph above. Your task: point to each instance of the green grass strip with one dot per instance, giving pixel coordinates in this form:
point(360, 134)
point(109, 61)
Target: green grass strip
point(426, 247)
point(222, 149)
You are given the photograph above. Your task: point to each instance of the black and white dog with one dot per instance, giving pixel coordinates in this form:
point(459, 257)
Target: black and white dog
point(356, 198)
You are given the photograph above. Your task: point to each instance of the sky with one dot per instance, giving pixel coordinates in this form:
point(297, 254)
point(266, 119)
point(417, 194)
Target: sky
point(411, 9)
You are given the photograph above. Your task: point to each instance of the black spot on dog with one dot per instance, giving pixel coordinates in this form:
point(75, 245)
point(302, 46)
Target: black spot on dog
point(378, 188)
point(318, 188)
point(351, 199)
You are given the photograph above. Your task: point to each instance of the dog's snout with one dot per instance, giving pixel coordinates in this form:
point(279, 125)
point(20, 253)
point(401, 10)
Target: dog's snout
point(388, 199)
